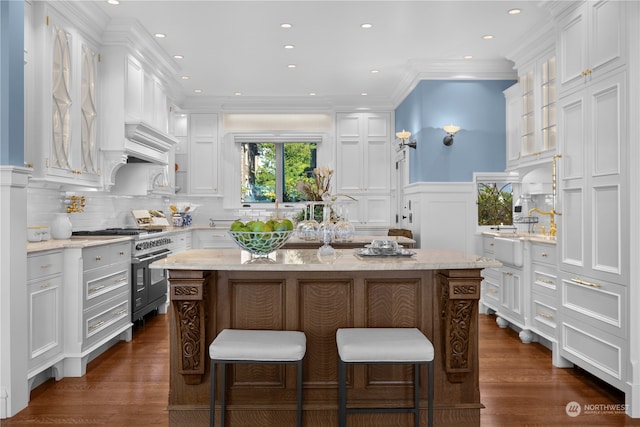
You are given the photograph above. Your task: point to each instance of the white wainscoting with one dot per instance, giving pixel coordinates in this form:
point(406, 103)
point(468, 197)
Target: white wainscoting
point(443, 215)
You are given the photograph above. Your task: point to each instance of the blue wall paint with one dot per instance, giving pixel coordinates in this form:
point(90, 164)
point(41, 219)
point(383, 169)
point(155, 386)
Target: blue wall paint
point(477, 106)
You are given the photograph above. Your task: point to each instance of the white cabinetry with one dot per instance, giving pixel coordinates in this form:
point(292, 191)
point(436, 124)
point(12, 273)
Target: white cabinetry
point(212, 239)
point(591, 41)
point(99, 304)
point(363, 169)
point(204, 164)
point(593, 237)
point(544, 290)
point(64, 145)
point(44, 305)
point(513, 116)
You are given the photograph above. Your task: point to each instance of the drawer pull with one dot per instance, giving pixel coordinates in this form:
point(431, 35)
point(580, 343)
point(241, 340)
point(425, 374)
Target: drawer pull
point(585, 283)
point(45, 266)
point(119, 312)
point(509, 273)
point(97, 288)
point(98, 258)
point(121, 253)
point(97, 325)
point(547, 281)
point(543, 254)
point(45, 285)
point(490, 244)
point(120, 280)
point(492, 291)
point(546, 315)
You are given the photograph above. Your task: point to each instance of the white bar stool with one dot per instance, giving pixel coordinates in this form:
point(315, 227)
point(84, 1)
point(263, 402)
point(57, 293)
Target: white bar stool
point(254, 346)
point(377, 346)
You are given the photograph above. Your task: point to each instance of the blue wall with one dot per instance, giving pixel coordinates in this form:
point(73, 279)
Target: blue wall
point(477, 106)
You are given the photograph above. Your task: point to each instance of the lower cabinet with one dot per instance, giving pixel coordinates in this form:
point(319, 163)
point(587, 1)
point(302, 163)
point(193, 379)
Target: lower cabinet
point(45, 306)
point(98, 311)
point(212, 239)
point(593, 326)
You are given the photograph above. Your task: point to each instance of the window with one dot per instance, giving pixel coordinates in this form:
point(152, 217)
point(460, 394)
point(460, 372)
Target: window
point(271, 171)
point(495, 203)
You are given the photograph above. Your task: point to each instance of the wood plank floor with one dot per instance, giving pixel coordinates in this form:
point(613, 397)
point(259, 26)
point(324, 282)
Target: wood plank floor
point(128, 386)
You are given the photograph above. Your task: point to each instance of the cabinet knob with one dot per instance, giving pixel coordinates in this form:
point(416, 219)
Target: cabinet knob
point(98, 258)
point(45, 266)
point(121, 253)
point(543, 254)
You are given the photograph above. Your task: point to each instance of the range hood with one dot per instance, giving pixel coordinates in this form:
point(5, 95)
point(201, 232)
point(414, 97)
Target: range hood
point(143, 147)
point(147, 143)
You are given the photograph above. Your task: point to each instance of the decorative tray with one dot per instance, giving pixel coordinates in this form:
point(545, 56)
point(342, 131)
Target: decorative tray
point(371, 252)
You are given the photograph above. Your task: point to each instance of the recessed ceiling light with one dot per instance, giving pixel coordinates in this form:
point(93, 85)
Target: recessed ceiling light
point(291, 65)
point(185, 77)
point(197, 90)
point(364, 94)
point(514, 11)
point(285, 25)
point(366, 25)
point(468, 57)
point(113, 2)
point(238, 93)
point(289, 46)
point(178, 57)
point(487, 37)
point(375, 71)
point(160, 35)
point(312, 94)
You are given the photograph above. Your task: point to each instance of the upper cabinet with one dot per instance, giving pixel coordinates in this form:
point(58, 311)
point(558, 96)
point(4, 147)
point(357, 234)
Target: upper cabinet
point(533, 137)
point(363, 153)
point(62, 148)
point(591, 41)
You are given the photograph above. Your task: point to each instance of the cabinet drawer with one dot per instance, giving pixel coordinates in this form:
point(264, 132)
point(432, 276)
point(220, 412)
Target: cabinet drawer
point(99, 256)
point(544, 316)
point(487, 245)
point(596, 303)
point(102, 283)
point(542, 253)
point(491, 293)
point(44, 264)
point(599, 353)
point(544, 280)
point(102, 320)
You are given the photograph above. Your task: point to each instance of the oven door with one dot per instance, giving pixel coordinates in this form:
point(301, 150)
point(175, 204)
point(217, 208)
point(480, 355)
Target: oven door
point(149, 285)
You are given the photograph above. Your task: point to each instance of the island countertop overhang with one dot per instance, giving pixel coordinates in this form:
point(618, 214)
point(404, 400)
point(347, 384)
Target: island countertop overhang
point(307, 259)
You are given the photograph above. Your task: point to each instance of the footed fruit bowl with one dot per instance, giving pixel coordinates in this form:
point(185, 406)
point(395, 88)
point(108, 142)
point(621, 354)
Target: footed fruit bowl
point(260, 242)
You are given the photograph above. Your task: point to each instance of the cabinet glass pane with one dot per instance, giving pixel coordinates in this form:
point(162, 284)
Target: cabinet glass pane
point(61, 105)
point(88, 109)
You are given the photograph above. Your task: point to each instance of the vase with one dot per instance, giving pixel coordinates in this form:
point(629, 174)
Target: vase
point(61, 226)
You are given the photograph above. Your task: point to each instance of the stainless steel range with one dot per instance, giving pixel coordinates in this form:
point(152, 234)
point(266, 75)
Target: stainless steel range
point(149, 287)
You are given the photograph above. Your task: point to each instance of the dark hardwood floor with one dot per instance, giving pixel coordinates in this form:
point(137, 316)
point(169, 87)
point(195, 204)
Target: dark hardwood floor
point(128, 386)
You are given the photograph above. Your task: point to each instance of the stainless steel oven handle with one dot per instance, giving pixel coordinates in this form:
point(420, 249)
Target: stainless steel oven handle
point(136, 260)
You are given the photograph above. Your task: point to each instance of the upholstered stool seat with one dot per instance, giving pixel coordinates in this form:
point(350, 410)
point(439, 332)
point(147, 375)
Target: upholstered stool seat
point(384, 346)
point(255, 346)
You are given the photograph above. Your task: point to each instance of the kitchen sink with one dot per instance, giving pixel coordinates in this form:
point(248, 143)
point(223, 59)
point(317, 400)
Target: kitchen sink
point(509, 251)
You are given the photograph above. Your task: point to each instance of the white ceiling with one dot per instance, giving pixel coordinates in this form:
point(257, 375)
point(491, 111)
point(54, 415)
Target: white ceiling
point(237, 46)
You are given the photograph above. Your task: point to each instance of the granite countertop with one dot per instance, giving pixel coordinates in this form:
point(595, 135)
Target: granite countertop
point(74, 242)
point(533, 237)
point(307, 259)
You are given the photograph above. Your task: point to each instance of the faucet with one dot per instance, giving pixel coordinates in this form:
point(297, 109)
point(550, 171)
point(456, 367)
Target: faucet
point(552, 219)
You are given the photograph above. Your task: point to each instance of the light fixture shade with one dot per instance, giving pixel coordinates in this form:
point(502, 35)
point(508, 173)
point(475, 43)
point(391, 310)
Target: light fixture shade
point(404, 135)
point(451, 129)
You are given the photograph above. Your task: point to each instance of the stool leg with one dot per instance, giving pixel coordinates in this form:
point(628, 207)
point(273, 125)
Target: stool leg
point(416, 394)
point(342, 393)
point(430, 394)
point(212, 403)
point(299, 393)
point(223, 394)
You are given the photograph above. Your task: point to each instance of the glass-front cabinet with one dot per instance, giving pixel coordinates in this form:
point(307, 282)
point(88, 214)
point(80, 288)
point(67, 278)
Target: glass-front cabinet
point(538, 119)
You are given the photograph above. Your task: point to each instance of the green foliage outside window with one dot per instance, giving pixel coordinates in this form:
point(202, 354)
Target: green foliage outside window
point(495, 204)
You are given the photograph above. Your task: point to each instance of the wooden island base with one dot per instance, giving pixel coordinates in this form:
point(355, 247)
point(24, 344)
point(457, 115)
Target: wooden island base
point(442, 303)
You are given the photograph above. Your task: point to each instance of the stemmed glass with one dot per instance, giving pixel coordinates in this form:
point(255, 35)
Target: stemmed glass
point(343, 229)
point(308, 228)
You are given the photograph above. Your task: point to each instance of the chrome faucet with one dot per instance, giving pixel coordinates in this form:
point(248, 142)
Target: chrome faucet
point(552, 219)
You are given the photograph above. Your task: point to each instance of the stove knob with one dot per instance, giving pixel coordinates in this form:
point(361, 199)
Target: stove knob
point(139, 246)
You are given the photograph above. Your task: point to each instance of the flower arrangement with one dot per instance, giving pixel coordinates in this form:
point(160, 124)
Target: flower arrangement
point(320, 187)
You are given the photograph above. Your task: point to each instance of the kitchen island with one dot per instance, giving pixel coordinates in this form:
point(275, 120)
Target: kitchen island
point(436, 291)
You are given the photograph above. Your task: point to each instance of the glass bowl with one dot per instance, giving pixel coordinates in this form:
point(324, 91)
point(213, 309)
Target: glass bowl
point(260, 242)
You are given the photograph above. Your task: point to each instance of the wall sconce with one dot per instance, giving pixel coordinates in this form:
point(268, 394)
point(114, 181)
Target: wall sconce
point(450, 130)
point(403, 137)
